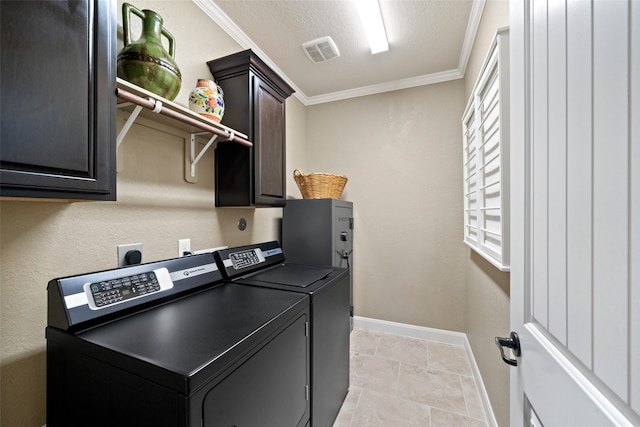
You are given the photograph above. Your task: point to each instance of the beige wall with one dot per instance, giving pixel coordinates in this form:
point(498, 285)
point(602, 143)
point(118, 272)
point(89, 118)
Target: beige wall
point(487, 301)
point(44, 240)
point(401, 152)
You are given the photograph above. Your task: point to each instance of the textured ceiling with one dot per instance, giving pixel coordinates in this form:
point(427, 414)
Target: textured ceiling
point(429, 41)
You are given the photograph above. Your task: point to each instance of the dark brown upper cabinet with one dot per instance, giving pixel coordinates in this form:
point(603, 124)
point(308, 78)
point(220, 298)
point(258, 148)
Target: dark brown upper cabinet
point(57, 103)
point(255, 105)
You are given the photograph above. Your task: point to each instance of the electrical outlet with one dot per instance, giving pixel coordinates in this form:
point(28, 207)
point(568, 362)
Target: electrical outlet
point(123, 249)
point(184, 247)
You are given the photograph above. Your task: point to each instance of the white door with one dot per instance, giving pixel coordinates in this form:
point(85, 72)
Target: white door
point(575, 192)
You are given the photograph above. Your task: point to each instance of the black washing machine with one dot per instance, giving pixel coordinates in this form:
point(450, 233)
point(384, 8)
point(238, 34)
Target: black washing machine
point(263, 266)
point(171, 344)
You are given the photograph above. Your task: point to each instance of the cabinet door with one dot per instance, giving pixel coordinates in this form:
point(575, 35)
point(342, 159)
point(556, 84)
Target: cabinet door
point(57, 100)
point(269, 145)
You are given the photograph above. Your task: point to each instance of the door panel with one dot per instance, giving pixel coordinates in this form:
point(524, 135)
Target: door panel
point(557, 194)
point(579, 173)
point(270, 152)
point(610, 200)
point(576, 203)
point(269, 389)
point(539, 153)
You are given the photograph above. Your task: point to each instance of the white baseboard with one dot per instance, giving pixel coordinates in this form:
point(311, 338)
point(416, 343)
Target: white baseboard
point(412, 331)
point(431, 334)
point(491, 418)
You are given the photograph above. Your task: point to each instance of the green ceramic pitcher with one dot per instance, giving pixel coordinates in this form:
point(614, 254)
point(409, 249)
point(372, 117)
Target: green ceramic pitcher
point(145, 62)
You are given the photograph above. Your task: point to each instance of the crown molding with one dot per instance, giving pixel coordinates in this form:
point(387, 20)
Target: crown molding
point(222, 19)
point(426, 79)
point(470, 35)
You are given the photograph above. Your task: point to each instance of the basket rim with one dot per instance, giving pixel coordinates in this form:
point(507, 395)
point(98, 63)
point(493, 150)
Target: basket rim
point(300, 173)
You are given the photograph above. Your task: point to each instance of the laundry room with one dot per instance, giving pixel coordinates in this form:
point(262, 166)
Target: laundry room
point(400, 147)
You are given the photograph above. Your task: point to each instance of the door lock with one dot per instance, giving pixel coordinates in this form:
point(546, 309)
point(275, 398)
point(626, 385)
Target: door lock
point(513, 342)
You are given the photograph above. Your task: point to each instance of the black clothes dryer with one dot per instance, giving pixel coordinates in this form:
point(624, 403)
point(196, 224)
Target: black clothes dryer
point(263, 266)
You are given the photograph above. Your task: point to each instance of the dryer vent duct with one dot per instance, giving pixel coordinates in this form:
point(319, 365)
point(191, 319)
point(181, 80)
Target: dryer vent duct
point(321, 50)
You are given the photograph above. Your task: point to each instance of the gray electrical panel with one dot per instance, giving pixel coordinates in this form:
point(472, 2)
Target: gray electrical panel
point(319, 232)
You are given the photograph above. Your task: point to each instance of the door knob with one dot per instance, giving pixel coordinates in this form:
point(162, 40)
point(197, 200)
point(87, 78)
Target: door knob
point(513, 342)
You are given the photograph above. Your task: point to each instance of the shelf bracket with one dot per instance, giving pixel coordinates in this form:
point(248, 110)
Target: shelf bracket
point(157, 107)
point(191, 172)
point(127, 125)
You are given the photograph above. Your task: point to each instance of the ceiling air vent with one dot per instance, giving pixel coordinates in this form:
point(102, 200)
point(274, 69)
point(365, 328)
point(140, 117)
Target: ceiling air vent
point(321, 50)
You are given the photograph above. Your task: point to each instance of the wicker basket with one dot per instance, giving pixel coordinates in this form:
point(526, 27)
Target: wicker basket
point(320, 185)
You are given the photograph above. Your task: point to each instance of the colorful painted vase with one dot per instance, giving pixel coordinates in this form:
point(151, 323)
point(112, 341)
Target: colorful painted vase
point(207, 99)
point(145, 62)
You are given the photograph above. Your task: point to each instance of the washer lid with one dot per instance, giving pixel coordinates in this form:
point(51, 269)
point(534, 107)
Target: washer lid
point(293, 274)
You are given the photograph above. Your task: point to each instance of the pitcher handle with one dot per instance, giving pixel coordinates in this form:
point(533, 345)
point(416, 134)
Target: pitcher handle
point(127, 9)
point(172, 43)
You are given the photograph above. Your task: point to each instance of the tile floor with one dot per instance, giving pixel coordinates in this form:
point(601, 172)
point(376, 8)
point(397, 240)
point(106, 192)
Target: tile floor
point(400, 382)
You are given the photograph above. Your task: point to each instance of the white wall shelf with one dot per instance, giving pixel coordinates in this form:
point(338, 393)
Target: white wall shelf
point(485, 134)
point(139, 102)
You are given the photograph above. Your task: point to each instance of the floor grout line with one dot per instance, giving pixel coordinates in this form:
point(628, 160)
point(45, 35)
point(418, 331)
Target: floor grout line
point(464, 395)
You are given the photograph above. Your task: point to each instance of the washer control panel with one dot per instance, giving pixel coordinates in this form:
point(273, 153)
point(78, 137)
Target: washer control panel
point(113, 291)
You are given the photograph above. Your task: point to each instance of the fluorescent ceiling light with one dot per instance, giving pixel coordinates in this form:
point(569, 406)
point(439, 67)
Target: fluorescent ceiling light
point(371, 18)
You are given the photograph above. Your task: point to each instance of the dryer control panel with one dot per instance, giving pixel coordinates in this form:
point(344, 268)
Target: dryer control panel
point(243, 260)
point(246, 258)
